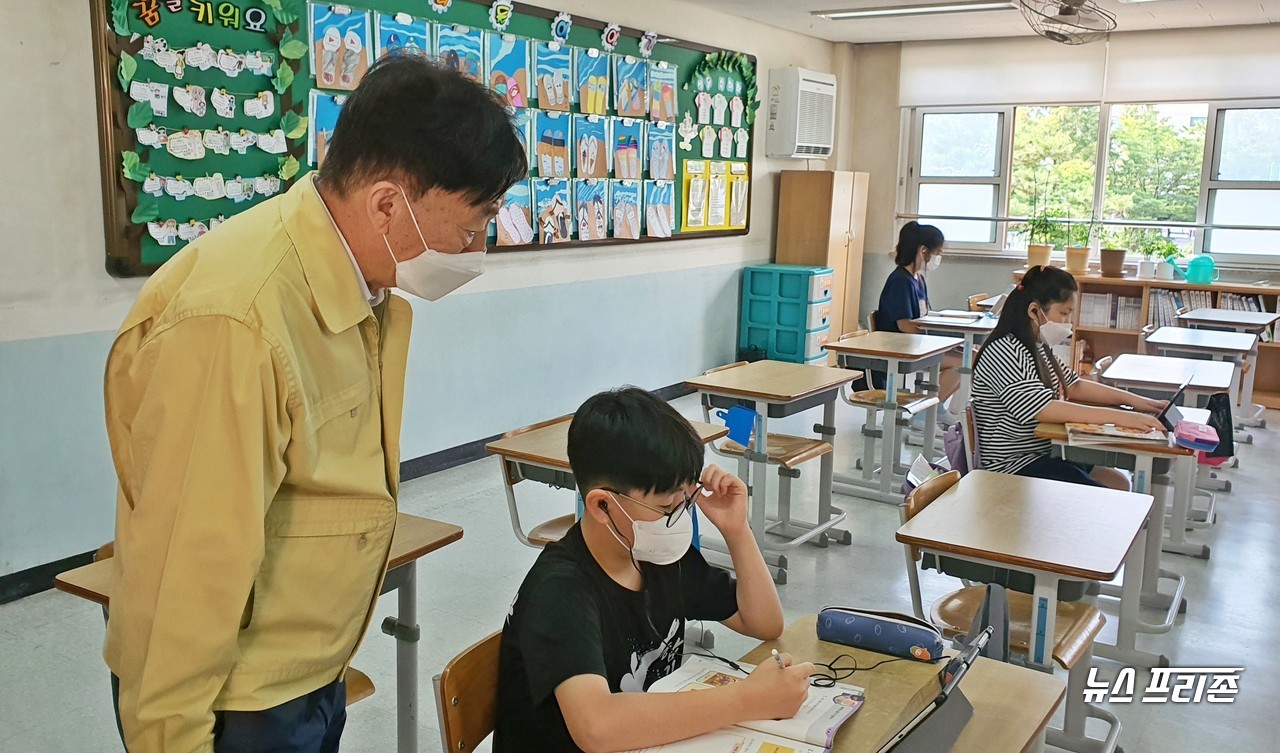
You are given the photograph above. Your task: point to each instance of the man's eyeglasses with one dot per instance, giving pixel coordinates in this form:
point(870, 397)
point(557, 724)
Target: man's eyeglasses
point(673, 513)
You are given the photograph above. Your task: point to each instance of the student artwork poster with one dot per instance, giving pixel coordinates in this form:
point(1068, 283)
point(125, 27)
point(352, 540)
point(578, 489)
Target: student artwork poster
point(552, 147)
point(509, 68)
point(340, 50)
point(553, 70)
point(628, 159)
point(591, 199)
point(631, 95)
point(662, 151)
point(592, 81)
point(626, 209)
point(402, 33)
point(659, 208)
point(591, 137)
point(662, 92)
point(515, 218)
point(522, 122)
point(461, 48)
point(324, 109)
point(554, 213)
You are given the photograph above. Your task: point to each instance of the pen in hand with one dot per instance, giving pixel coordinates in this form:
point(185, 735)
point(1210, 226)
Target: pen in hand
point(778, 659)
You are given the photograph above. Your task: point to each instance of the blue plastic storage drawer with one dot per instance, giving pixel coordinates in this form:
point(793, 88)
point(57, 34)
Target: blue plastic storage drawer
point(798, 346)
point(787, 282)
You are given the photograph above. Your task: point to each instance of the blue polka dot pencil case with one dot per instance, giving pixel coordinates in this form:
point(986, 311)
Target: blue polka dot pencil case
point(886, 632)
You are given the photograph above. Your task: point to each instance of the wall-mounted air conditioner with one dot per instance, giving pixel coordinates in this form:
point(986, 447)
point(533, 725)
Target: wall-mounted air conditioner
point(802, 114)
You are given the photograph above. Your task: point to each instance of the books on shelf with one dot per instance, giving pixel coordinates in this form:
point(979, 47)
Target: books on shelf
point(1084, 435)
point(1108, 311)
point(811, 730)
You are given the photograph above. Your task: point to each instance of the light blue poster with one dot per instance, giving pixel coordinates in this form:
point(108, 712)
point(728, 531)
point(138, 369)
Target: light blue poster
point(555, 217)
point(662, 92)
point(321, 120)
point(514, 221)
point(403, 33)
point(626, 209)
point(553, 146)
point(591, 199)
point(631, 96)
point(340, 46)
point(591, 140)
point(662, 151)
point(509, 68)
point(628, 154)
point(461, 48)
point(659, 208)
point(522, 121)
point(554, 68)
point(592, 81)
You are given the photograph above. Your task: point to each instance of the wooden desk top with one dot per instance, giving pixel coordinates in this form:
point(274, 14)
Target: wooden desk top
point(1076, 531)
point(989, 303)
point(549, 446)
point(1011, 704)
point(1165, 371)
point(982, 324)
point(773, 381)
point(414, 538)
point(896, 345)
point(1204, 339)
point(1257, 319)
point(1058, 433)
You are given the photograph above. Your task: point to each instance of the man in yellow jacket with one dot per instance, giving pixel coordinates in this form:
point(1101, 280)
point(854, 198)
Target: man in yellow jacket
point(253, 402)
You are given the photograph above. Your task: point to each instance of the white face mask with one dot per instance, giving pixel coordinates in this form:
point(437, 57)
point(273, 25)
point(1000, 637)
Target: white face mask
point(934, 263)
point(1054, 333)
point(433, 275)
point(655, 542)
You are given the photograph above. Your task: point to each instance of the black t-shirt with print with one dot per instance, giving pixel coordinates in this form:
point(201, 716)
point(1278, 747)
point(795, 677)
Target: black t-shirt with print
point(570, 618)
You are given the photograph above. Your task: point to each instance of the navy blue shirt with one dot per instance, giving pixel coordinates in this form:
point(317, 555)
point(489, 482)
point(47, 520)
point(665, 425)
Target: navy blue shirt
point(904, 296)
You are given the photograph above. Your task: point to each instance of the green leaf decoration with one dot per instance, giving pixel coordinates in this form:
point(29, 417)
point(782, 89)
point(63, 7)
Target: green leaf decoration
point(133, 167)
point(283, 78)
point(140, 115)
point(293, 125)
point(285, 11)
point(120, 17)
point(147, 211)
point(292, 47)
point(288, 167)
point(127, 69)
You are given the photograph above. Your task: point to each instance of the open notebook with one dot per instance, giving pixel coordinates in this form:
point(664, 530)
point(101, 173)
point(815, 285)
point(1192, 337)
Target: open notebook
point(812, 730)
point(1084, 435)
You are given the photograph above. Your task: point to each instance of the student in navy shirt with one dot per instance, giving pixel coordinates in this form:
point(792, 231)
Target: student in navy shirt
point(905, 296)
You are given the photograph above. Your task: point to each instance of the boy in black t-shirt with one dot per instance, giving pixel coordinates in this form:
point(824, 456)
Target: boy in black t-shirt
point(601, 614)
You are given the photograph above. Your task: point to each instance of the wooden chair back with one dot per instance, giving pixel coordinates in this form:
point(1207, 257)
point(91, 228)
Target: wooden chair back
point(871, 321)
point(923, 495)
point(467, 695)
point(973, 300)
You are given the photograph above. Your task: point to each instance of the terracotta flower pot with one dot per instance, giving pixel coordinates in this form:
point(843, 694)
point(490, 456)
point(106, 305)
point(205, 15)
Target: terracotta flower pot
point(1111, 260)
point(1038, 255)
point(1077, 259)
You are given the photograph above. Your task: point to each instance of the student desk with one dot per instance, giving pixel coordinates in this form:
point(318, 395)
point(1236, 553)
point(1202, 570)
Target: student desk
point(775, 389)
point(1252, 322)
point(1050, 529)
point(542, 455)
point(1239, 348)
point(895, 353)
point(1162, 374)
point(974, 332)
point(1012, 705)
point(986, 304)
point(414, 538)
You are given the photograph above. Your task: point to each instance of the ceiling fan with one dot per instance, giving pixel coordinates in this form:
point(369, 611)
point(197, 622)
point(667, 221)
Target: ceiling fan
point(1068, 21)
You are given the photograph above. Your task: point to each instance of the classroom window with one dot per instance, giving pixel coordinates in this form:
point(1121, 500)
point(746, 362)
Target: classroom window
point(959, 172)
point(1055, 161)
point(1244, 186)
point(952, 199)
point(960, 145)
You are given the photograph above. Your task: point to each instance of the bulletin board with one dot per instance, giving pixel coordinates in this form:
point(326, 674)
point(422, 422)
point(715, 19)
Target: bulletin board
point(209, 107)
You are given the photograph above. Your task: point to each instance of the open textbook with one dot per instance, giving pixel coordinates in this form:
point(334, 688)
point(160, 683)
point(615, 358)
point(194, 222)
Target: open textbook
point(811, 730)
point(1102, 434)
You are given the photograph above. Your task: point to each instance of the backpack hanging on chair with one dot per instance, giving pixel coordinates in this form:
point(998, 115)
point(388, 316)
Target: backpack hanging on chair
point(1220, 419)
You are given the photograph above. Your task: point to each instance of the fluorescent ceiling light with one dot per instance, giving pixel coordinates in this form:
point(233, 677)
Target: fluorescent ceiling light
point(912, 10)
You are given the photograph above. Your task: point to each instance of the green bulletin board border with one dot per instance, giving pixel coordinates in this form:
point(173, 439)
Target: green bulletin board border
point(125, 255)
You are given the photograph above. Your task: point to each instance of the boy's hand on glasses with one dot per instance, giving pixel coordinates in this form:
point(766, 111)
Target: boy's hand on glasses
point(772, 692)
point(723, 499)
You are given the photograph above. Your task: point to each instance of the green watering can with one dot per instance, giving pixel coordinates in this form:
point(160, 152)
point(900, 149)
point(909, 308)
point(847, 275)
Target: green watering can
point(1199, 271)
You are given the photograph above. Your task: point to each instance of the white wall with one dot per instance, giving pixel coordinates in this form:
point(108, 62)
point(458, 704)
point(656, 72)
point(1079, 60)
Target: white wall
point(531, 339)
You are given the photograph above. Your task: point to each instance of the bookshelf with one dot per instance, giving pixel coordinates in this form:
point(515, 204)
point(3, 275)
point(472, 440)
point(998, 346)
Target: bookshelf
point(1097, 338)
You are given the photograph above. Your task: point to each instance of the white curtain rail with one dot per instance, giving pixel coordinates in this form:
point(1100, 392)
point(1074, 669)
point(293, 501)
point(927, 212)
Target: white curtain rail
point(1084, 221)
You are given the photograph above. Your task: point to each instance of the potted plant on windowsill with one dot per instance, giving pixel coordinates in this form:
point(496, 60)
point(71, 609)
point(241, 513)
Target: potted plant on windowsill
point(1112, 254)
point(1166, 251)
point(1077, 248)
point(1039, 228)
point(1141, 242)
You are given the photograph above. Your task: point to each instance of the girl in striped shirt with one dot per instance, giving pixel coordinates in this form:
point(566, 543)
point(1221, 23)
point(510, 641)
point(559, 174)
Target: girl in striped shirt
point(1018, 383)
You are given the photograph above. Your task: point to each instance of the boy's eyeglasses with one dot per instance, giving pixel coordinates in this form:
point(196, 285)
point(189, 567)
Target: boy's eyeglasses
point(672, 514)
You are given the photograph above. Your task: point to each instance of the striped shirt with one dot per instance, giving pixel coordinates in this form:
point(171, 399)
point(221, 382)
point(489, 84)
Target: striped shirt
point(1007, 395)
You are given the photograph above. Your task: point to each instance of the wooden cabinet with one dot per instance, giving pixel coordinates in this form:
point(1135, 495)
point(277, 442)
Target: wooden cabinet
point(822, 218)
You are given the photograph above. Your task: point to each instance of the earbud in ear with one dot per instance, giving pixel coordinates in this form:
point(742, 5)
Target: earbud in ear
point(604, 505)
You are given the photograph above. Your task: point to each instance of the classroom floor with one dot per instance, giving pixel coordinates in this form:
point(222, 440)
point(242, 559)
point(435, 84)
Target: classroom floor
point(55, 696)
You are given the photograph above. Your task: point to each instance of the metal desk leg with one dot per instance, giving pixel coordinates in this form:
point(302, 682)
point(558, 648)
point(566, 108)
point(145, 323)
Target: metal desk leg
point(826, 474)
point(1253, 411)
point(760, 495)
point(1184, 488)
point(1044, 614)
point(889, 452)
point(404, 628)
point(931, 415)
point(966, 368)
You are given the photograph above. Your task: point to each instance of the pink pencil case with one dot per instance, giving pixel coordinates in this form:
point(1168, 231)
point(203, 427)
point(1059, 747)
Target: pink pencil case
point(1195, 436)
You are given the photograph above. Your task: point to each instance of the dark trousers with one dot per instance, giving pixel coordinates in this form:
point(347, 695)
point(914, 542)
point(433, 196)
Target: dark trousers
point(1057, 469)
point(310, 724)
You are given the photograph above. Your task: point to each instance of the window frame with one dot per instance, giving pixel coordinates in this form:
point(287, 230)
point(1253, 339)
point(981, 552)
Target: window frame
point(910, 164)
